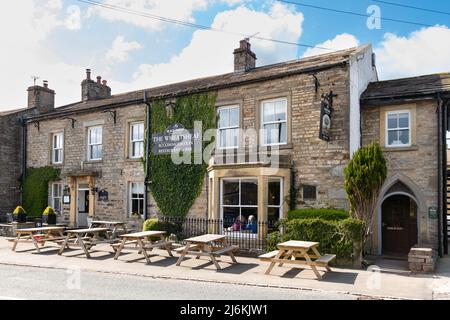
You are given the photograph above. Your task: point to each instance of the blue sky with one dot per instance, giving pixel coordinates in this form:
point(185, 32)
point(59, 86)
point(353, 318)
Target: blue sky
point(56, 40)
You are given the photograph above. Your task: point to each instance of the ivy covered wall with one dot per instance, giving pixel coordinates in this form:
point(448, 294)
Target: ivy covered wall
point(176, 186)
point(35, 189)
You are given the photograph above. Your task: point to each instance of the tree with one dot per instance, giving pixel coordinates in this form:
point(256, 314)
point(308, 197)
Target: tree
point(364, 177)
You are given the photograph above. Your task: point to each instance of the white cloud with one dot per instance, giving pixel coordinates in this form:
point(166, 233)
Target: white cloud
point(120, 50)
point(175, 9)
point(73, 20)
point(340, 42)
point(233, 2)
point(23, 30)
point(211, 53)
point(422, 52)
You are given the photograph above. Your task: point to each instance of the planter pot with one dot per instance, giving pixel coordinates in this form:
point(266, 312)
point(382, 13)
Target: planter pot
point(14, 217)
point(38, 222)
point(51, 219)
point(45, 218)
point(22, 217)
point(9, 217)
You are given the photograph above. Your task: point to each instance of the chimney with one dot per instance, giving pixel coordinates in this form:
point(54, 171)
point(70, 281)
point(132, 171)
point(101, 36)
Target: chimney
point(244, 58)
point(94, 90)
point(41, 98)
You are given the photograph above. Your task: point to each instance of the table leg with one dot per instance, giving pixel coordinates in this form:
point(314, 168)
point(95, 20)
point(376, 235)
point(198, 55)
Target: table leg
point(141, 245)
point(318, 255)
point(213, 259)
point(119, 249)
point(273, 263)
point(16, 241)
point(81, 242)
point(186, 249)
point(288, 256)
point(313, 267)
point(35, 243)
point(64, 244)
point(167, 247)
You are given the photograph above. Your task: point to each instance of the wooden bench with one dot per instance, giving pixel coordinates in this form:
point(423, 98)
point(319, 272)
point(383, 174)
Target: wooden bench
point(268, 256)
point(225, 250)
point(324, 260)
point(191, 247)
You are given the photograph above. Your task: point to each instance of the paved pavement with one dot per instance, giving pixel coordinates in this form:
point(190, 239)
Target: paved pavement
point(249, 272)
point(43, 283)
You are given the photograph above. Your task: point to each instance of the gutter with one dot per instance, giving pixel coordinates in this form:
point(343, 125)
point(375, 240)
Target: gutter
point(185, 92)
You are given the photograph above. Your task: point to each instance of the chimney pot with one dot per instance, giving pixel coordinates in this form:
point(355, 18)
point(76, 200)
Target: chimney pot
point(45, 82)
point(104, 82)
point(99, 79)
point(88, 74)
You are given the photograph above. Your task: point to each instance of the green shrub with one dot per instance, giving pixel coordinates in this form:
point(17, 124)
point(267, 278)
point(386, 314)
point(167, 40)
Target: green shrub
point(340, 237)
point(35, 189)
point(325, 214)
point(169, 227)
point(18, 210)
point(48, 211)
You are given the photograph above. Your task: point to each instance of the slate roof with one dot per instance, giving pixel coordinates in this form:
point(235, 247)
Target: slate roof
point(305, 65)
point(408, 87)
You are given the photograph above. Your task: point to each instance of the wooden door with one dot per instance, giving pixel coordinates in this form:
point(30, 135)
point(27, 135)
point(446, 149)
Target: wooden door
point(399, 225)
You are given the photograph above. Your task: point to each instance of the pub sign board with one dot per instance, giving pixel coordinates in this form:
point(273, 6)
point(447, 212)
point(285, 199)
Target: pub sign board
point(174, 139)
point(326, 111)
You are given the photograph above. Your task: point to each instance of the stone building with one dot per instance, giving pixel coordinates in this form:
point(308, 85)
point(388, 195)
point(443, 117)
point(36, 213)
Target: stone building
point(93, 141)
point(40, 101)
point(408, 118)
point(98, 144)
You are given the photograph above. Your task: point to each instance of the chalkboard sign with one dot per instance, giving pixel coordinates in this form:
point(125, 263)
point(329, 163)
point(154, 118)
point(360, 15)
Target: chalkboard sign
point(103, 195)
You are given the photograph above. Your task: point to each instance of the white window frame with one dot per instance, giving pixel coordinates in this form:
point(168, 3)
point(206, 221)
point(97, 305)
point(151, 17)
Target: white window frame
point(262, 135)
point(219, 129)
point(58, 198)
point(387, 130)
point(130, 197)
point(280, 206)
point(90, 144)
point(132, 142)
point(56, 149)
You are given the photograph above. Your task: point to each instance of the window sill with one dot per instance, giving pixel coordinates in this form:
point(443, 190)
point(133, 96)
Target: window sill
point(133, 159)
point(400, 149)
point(94, 161)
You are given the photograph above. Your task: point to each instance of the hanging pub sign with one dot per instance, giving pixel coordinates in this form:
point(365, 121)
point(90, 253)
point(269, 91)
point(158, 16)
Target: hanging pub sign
point(326, 111)
point(174, 139)
point(103, 195)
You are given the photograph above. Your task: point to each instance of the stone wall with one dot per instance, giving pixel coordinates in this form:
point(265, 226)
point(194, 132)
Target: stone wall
point(10, 158)
point(415, 166)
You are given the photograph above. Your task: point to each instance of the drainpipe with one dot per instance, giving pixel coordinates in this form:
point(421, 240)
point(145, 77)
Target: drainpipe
point(147, 180)
point(440, 175)
point(23, 151)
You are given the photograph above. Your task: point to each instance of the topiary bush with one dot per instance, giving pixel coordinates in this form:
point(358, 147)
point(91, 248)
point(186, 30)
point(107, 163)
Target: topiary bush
point(329, 214)
point(340, 237)
point(169, 227)
point(48, 211)
point(18, 210)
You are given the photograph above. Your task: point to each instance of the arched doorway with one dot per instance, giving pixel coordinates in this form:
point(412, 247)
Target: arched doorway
point(398, 224)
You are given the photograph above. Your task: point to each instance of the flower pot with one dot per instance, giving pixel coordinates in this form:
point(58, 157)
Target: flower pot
point(9, 217)
point(45, 218)
point(51, 219)
point(22, 217)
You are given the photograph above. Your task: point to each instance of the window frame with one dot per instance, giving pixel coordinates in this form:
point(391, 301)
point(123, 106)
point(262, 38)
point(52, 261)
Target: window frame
point(54, 149)
point(262, 135)
point(240, 179)
point(387, 130)
point(131, 142)
point(233, 106)
point(89, 144)
point(280, 206)
point(53, 198)
point(130, 198)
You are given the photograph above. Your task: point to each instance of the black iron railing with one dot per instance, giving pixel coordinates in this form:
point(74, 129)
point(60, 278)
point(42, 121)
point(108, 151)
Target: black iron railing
point(247, 236)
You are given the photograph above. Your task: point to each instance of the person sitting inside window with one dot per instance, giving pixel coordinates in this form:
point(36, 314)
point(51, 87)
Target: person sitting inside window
point(237, 225)
point(252, 224)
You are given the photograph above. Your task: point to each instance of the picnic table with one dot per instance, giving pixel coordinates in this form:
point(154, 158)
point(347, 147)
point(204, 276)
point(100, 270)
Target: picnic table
point(306, 252)
point(85, 239)
point(37, 236)
point(114, 226)
point(211, 245)
point(145, 241)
